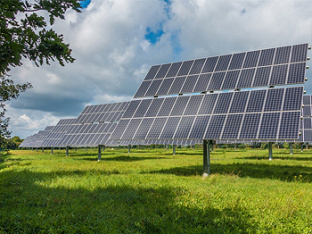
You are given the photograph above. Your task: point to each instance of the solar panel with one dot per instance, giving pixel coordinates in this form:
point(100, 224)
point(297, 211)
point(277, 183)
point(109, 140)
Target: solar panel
point(261, 68)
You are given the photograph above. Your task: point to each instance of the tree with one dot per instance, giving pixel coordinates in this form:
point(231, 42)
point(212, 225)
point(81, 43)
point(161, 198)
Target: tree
point(26, 32)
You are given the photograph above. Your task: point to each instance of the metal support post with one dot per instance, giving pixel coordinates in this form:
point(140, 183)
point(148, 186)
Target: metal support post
point(67, 148)
point(291, 148)
point(167, 147)
point(129, 148)
point(307, 146)
point(174, 149)
point(99, 152)
point(270, 151)
point(302, 147)
point(206, 158)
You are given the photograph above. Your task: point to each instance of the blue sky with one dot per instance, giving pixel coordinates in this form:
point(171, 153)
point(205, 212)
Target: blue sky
point(116, 41)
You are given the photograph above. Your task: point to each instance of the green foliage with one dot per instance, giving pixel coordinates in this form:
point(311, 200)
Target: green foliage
point(152, 191)
point(26, 34)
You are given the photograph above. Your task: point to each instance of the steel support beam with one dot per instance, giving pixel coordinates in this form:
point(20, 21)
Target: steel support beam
point(206, 158)
point(270, 151)
point(302, 147)
point(291, 148)
point(99, 152)
point(67, 148)
point(129, 148)
point(174, 149)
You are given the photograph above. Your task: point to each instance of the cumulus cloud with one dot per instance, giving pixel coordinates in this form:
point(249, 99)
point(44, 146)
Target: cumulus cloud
point(113, 55)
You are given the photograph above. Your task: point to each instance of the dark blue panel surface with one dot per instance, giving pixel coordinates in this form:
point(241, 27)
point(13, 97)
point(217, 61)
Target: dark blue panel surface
point(143, 128)
point(262, 76)
point(197, 66)
point(279, 75)
point(223, 103)
point(202, 82)
point(246, 78)
point(199, 127)
point(237, 61)
point(216, 81)
point(269, 125)
point(131, 109)
point(296, 73)
point(299, 53)
point(122, 125)
point(251, 59)
point(223, 63)
point(154, 107)
point(177, 85)
point(266, 57)
point(256, 101)
point(162, 71)
point(173, 70)
point(232, 126)
point(185, 68)
point(193, 105)
point(179, 105)
point(156, 128)
point(250, 126)
point(152, 90)
point(208, 104)
point(293, 98)
point(282, 55)
point(210, 64)
point(289, 127)
point(170, 128)
point(165, 86)
point(167, 106)
point(152, 72)
point(230, 80)
point(131, 128)
point(142, 108)
point(274, 100)
point(189, 84)
point(184, 127)
point(142, 90)
point(215, 127)
point(239, 102)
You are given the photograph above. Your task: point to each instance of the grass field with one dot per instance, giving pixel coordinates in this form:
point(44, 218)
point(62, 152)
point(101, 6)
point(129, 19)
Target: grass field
point(153, 191)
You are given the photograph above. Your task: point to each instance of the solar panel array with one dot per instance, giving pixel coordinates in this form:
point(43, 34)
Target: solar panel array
point(256, 114)
point(305, 123)
point(268, 67)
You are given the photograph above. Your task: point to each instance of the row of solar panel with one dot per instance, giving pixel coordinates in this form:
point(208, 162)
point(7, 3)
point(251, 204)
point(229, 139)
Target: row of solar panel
point(263, 76)
point(91, 128)
point(100, 117)
point(284, 99)
point(274, 56)
point(111, 107)
point(272, 125)
point(85, 139)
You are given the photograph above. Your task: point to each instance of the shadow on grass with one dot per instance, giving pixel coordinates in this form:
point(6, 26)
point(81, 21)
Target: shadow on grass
point(266, 171)
point(290, 157)
point(121, 158)
point(28, 207)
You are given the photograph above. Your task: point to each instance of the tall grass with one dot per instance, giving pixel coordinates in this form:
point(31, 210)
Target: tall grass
point(153, 191)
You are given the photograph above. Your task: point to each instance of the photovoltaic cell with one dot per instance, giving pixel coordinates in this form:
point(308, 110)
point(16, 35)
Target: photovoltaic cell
point(266, 57)
point(239, 102)
point(197, 66)
point(199, 127)
point(142, 89)
point(223, 62)
point(251, 59)
point(177, 85)
point(179, 106)
point(296, 73)
point(215, 127)
point(153, 88)
point(170, 127)
point(131, 109)
point(230, 80)
point(293, 99)
point(237, 61)
point(216, 81)
point(131, 128)
point(306, 99)
point(282, 55)
point(274, 100)
point(154, 107)
point(210, 64)
point(299, 53)
point(184, 127)
point(142, 108)
point(165, 86)
point(262, 76)
point(202, 82)
point(193, 105)
point(289, 127)
point(208, 104)
point(123, 123)
point(166, 106)
point(279, 75)
point(223, 103)
point(250, 126)
point(144, 128)
point(173, 70)
point(185, 68)
point(246, 78)
point(162, 71)
point(269, 125)
point(189, 84)
point(307, 123)
point(156, 128)
point(232, 126)
point(256, 100)
point(152, 72)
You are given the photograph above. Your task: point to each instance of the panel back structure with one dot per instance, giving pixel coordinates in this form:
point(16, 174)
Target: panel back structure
point(268, 67)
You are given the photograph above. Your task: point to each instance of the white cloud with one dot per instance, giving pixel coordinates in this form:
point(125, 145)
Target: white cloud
point(113, 56)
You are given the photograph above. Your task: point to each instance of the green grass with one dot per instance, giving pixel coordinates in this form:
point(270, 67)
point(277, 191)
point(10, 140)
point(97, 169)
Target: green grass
point(153, 191)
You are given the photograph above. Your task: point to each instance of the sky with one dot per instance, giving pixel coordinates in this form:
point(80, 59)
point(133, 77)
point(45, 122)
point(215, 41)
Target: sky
point(115, 42)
